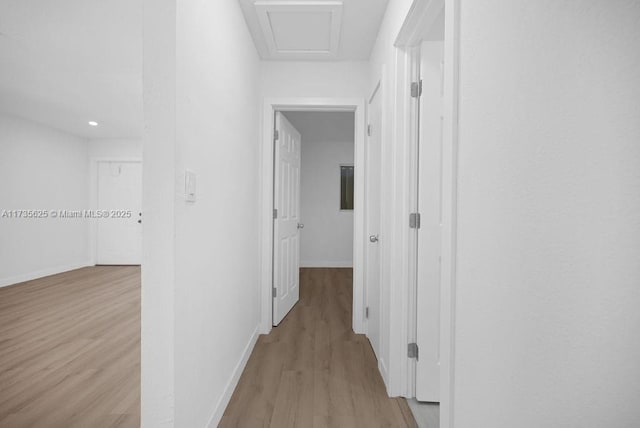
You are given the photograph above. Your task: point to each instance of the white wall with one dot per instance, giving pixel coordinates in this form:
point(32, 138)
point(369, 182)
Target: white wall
point(548, 266)
point(344, 79)
point(327, 143)
point(115, 148)
point(41, 169)
point(203, 104)
point(217, 259)
point(160, 184)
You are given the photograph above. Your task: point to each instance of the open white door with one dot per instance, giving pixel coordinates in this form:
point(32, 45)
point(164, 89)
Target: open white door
point(372, 202)
point(286, 227)
point(119, 236)
point(429, 235)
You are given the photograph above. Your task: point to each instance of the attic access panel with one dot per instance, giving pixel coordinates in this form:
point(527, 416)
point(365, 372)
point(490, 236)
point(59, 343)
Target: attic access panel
point(301, 29)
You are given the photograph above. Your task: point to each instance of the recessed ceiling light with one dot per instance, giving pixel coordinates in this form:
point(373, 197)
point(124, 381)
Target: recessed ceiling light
point(92, 123)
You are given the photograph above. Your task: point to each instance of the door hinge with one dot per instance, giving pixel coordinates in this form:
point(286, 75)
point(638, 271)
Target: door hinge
point(276, 135)
point(414, 220)
point(366, 312)
point(274, 292)
point(275, 213)
point(412, 350)
point(369, 130)
point(416, 89)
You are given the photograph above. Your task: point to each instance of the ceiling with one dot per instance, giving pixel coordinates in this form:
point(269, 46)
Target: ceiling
point(314, 29)
point(67, 62)
point(64, 63)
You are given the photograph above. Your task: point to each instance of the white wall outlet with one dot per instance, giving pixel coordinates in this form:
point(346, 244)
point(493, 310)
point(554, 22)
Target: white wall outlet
point(189, 186)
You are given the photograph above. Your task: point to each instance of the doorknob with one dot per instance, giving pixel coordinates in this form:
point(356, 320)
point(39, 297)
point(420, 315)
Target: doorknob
point(373, 238)
point(300, 225)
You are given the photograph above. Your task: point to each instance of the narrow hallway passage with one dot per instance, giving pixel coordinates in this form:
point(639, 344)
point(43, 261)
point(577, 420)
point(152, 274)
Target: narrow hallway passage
point(313, 370)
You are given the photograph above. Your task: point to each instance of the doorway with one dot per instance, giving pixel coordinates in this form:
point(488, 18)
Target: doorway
point(272, 109)
point(313, 199)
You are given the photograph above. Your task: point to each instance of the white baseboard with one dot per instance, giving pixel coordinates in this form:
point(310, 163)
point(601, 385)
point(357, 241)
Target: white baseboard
point(231, 385)
point(41, 273)
point(326, 264)
point(382, 368)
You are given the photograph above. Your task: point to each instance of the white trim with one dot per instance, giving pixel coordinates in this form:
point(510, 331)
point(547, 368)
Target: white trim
point(419, 20)
point(327, 264)
point(376, 90)
point(412, 129)
point(450, 215)
point(271, 105)
point(376, 87)
point(384, 373)
point(221, 406)
point(93, 197)
point(421, 15)
point(17, 279)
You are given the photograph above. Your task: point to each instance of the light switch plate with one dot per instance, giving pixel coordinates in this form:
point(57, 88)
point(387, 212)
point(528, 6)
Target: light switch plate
point(189, 186)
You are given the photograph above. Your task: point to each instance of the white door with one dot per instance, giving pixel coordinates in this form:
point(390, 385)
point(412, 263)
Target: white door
point(372, 202)
point(119, 235)
point(430, 208)
point(286, 243)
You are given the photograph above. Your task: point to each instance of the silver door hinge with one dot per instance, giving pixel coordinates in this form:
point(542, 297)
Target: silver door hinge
point(414, 220)
point(369, 130)
point(412, 350)
point(366, 312)
point(416, 89)
point(275, 213)
point(276, 134)
point(274, 292)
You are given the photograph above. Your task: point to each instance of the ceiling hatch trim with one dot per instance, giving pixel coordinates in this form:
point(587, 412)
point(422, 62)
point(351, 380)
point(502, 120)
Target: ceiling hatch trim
point(300, 29)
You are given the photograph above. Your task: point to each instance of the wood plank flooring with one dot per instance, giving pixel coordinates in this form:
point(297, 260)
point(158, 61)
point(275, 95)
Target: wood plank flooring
point(70, 350)
point(312, 370)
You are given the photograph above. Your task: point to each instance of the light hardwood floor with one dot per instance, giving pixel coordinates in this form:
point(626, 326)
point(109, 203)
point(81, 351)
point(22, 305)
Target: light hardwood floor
point(312, 370)
point(70, 350)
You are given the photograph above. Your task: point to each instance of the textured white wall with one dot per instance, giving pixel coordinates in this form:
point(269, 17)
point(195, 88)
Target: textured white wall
point(160, 184)
point(217, 260)
point(115, 148)
point(344, 79)
point(327, 143)
point(41, 169)
point(548, 267)
point(200, 299)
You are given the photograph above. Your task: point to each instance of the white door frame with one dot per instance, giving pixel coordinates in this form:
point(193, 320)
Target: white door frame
point(271, 105)
point(420, 17)
point(93, 199)
point(376, 91)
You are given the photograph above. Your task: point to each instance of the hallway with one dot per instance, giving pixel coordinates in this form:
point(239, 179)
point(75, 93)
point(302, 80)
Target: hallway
point(313, 370)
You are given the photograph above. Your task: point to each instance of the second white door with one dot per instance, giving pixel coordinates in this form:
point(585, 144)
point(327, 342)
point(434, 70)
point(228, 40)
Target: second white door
point(119, 233)
point(286, 226)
